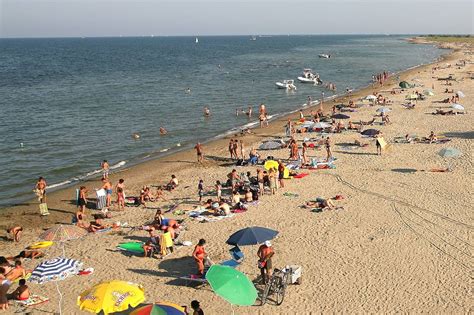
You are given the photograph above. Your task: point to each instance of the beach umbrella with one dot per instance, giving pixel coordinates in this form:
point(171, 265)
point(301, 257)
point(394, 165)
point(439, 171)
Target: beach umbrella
point(371, 97)
point(457, 107)
point(428, 92)
point(404, 85)
point(411, 97)
point(159, 308)
point(231, 285)
point(320, 125)
point(340, 116)
point(270, 164)
point(55, 270)
point(449, 152)
point(383, 110)
point(63, 233)
point(460, 94)
point(306, 124)
point(370, 132)
point(270, 145)
point(251, 236)
point(111, 296)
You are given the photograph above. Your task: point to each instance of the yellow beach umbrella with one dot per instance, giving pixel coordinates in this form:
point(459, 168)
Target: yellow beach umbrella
point(111, 296)
point(270, 164)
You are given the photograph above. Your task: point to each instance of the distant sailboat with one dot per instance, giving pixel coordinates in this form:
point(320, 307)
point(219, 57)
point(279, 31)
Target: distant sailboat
point(253, 37)
point(197, 40)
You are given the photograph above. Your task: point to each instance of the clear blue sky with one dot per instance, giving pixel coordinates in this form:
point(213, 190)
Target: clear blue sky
point(64, 18)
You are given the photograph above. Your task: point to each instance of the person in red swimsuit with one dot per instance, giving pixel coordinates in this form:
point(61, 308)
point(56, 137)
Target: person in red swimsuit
point(199, 255)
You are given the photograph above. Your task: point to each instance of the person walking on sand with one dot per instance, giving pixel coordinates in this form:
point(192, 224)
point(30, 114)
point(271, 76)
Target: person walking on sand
point(265, 253)
point(281, 173)
point(105, 169)
point(218, 190)
point(231, 148)
point(261, 181)
point(199, 152)
point(378, 145)
point(200, 189)
point(82, 200)
point(327, 144)
point(305, 153)
point(40, 190)
point(120, 199)
point(235, 147)
point(107, 186)
point(199, 254)
point(242, 150)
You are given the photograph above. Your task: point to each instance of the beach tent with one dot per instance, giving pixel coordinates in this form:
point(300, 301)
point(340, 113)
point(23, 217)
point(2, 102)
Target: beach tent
point(457, 107)
point(405, 85)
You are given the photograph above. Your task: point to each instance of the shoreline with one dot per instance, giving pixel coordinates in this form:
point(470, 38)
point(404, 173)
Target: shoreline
point(94, 175)
point(57, 197)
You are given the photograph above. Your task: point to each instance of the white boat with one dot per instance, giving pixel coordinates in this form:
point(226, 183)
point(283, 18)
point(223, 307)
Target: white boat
point(309, 77)
point(253, 38)
point(286, 84)
point(197, 40)
point(324, 56)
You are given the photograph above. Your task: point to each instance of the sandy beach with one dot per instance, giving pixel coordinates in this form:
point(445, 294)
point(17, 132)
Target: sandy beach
point(401, 243)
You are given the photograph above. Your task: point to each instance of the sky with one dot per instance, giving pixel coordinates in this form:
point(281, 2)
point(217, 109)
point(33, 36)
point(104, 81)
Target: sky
point(77, 18)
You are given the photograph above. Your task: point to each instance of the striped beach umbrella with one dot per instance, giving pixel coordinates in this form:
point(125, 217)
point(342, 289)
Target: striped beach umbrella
point(63, 233)
point(159, 308)
point(55, 270)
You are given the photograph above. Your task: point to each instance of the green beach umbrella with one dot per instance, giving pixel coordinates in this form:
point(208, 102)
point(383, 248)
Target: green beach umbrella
point(231, 285)
point(404, 85)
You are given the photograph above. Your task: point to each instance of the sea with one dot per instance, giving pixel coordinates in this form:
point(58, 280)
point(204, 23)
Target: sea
point(66, 104)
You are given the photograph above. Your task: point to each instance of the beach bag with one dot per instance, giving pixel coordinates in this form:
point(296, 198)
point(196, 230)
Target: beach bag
point(261, 264)
point(43, 207)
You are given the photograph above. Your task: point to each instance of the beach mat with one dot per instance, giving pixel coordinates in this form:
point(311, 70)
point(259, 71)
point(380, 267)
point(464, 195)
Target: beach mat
point(134, 247)
point(33, 300)
point(301, 175)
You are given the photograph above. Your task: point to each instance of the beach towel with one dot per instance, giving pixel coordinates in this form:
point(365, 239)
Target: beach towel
point(238, 210)
point(33, 300)
point(301, 175)
point(26, 277)
point(134, 247)
point(43, 207)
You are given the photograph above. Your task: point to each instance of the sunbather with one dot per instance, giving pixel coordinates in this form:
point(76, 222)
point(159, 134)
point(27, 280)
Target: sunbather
point(442, 112)
point(96, 225)
point(22, 293)
point(432, 137)
point(15, 232)
point(370, 122)
point(30, 254)
point(17, 272)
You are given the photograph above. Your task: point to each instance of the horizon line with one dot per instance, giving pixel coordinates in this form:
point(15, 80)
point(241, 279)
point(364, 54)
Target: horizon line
point(238, 35)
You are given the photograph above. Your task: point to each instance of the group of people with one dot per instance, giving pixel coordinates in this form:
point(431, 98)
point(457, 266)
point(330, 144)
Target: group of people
point(8, 275)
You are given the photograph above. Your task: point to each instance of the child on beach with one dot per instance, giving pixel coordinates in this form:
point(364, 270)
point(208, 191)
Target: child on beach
point(200, 189)
point(15, 232)
point(218, 190)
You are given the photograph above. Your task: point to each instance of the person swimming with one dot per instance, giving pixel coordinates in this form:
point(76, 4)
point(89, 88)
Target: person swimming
point(207, 111)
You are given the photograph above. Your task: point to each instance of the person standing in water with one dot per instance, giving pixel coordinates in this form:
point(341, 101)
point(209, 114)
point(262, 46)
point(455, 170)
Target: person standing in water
point(199, 152)
point(249, 111)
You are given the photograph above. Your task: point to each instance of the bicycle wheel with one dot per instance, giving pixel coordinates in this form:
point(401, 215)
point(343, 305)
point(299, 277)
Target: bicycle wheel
point(280, 292)
point(266, 291)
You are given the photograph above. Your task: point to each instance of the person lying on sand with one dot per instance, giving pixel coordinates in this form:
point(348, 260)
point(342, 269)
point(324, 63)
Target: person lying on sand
point(443, 112)
point(96, 225)
point(29, 254)
point(325, 204)
point(17, 272)
point(409, 106)
point(370, 122)
point(221, 208)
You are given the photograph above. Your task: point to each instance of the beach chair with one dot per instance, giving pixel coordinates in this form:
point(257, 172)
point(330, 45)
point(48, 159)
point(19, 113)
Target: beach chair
point(237, 258)
point(101, 199)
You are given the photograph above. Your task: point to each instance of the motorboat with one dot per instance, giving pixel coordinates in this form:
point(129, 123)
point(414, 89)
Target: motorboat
point(309, 77)
point(286, 84)
point(196, 40)
point(324, 56)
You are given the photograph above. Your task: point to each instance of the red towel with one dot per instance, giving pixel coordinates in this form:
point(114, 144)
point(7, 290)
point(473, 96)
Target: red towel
point(301, 175)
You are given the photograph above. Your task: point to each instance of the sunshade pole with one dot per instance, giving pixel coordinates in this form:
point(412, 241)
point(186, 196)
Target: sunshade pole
point(232, 308)
point(60, 298)
point(64, 253)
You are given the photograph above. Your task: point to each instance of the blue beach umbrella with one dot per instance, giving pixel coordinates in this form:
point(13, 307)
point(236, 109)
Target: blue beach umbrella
point(449, 152)
point(251, 236)
point(55, 270)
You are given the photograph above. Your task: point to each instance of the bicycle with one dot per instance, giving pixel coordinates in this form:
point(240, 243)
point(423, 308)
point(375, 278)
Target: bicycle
point(276, 285)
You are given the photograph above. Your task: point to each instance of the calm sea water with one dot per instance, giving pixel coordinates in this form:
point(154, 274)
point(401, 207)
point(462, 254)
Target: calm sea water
point(75, 102)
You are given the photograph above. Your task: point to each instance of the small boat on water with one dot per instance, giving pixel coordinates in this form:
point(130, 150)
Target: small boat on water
point(286, 84)
point(197, 40)
point(309, 77)
point(324, 56)
point(253, 37)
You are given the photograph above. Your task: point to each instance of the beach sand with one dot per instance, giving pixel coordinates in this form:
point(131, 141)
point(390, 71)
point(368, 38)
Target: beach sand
point(402, 243)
